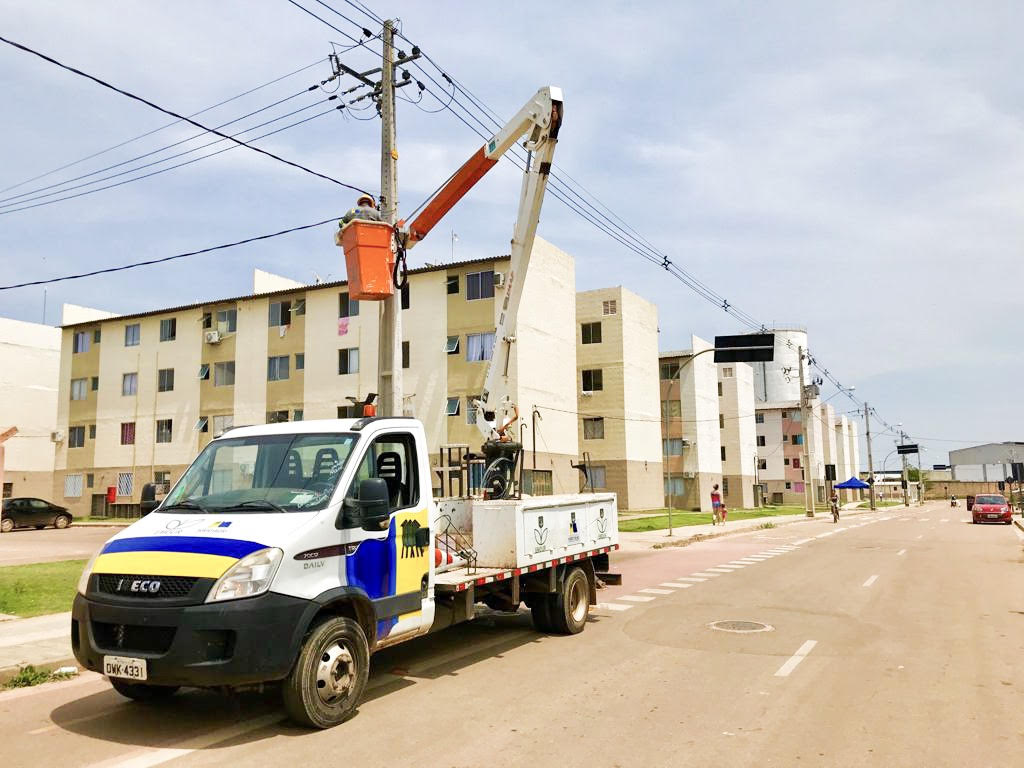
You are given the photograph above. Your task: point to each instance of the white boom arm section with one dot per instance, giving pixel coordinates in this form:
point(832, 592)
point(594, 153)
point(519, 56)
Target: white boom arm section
point(539, 120)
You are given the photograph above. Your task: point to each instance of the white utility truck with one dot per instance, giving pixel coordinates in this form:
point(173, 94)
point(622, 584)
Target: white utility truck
point(288, 553)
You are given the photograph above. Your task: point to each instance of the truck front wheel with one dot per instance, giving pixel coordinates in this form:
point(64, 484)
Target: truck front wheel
point(570, 606)
point(328, 679)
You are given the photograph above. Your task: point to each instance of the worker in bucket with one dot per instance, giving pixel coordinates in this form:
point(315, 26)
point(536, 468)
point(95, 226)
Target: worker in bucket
point(366, 209)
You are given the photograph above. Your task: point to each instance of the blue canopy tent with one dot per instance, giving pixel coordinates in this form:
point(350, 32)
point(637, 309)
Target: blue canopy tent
point(852, 484)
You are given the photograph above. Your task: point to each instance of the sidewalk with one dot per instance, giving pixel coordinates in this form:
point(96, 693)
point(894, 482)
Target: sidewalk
point(42, 641)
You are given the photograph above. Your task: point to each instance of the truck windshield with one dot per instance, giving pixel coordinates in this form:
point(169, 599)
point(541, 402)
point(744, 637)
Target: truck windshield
point(265, 473)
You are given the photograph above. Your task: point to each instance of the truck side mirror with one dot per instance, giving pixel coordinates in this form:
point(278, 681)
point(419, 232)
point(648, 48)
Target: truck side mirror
point(370, 510)
point(148, 502)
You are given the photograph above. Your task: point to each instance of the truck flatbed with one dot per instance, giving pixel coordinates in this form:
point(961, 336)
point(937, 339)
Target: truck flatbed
point(461, 579)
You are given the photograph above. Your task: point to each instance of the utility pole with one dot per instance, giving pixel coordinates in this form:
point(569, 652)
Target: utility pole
point(871, 463)
point(808, 454)
point(389, 360)
point(903, 475)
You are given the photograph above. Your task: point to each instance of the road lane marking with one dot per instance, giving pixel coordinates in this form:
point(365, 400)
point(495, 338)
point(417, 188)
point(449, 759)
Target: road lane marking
point(707, 575)
point(921, 536)
point(653, 591)
point(614, 606)
point(675, 585)
point(691, 578)
point(944, 520)
point(718, 571)
point(635, 598)
point(923, 520)
point(871, 580)
point(744, 561)
point(796, 658)
point(902, 552)
point(775, 551)
point(803, 541)
point(729, 567)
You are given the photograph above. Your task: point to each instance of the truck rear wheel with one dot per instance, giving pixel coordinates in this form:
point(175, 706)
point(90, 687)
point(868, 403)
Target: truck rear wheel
point(570, 606)
point(327, 682)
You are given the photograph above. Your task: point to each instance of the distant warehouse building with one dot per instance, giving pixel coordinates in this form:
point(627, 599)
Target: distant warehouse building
point(988, 463)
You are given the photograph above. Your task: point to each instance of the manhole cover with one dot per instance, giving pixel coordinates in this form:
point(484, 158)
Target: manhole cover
point(741, 626)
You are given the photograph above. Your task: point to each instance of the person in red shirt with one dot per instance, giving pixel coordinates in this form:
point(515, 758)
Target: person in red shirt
point(717, 507)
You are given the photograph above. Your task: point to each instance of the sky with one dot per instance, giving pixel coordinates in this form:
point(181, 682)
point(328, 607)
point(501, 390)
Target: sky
point(854, 168)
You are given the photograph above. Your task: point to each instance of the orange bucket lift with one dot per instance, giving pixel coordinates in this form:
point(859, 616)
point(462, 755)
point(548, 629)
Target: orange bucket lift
point(369, 258)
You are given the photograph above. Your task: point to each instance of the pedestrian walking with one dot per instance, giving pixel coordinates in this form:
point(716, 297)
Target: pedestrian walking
point(717, 508)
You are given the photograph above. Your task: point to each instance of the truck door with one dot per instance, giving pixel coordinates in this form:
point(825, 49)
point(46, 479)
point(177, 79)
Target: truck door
point(393, 566)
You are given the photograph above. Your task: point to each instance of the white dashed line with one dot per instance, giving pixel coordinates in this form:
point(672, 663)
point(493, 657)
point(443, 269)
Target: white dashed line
point(614, 606)
point(944, 520)
point(719, 570)
point(653, 591)
point(796, 658)
point(691, 578)
point(706, 574)
point(744, 561)
point(921, 536)
point(871, 580)
point(803, 541)
point(636, 598)
point(675, 585)
point(902, 552)
point(731, 567)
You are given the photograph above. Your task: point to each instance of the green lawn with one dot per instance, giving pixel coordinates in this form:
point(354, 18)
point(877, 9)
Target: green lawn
point(867, 504)
point(681, 518)
point(32, 590)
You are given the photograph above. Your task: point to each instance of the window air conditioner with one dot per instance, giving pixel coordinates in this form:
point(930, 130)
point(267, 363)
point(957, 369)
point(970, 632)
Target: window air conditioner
point(57, 437)
point(689, 475)
point(212, 337)
point(499, 279)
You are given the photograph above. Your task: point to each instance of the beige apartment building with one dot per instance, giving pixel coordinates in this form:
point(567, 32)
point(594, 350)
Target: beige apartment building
point(140, 395)
point(738, 435)
point(691, 428)
point(617, 386)
point(29, 365)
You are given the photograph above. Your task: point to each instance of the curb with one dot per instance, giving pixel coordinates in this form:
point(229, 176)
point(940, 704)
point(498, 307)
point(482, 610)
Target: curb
point(1019, 523)
point(6, 673)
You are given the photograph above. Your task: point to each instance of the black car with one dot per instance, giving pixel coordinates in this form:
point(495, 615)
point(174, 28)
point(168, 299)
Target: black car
point(25, 513)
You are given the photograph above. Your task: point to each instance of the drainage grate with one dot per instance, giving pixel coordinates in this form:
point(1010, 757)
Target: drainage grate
point(741, 626)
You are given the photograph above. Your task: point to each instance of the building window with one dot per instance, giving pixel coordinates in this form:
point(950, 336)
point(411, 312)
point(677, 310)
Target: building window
point(90, 480)
point(796, 463)
point(759, 418)
point(348, 360)
point(538, 482)
point(471, 409)
point(132, 333)
point(125, 483)
point(92, 431)
point(347, 307)
point(165, 380)
point(591, 333)
point(480, 285)
point(207, 320)
point(798, 439)
point(298, 414)
point(719, 389)
point(725, 486)
point(8, 490)
point(785, 462)
point(721, 421)
point(349, 411)
point(672, 446)
point(227, 320)
point(451, 346)
point(451, 407)
point(762, 463)
point(722, 449)
point(795, 416)
point(96, 336)
point(593, 429)
point(300, 361)
point(453, 284)
point(79, 389)
point(593, 380)
point(597, 476)
point(168, 329)
point(73, 486)
point(202, 424)
point(95, 383)
point(609, 307)
point(204, 372)
point(789, 486)
point(798, 487)
point(677, 487)
point(163, 430)
point(280, 313)
point(761, 441)
point(671, 409)
point(405, 354)
point(76, 437)
point(162, 479)
point(224, 374)
point(405, 295)
point(299, 308)
point(479, 346)
point(669, 371)
point(277, 368)
point(277, 417)
point(222, 424)
point(129, 384)
point(727, 373)
point(80, 342)
point(127, 433)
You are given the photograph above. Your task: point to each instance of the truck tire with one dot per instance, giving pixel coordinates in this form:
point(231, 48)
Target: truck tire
point(540, 612)
point(142, 691)
point(327, 682)
point(570, 606)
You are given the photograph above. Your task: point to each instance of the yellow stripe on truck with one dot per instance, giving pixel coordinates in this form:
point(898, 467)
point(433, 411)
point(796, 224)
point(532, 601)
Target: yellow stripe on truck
point(164, 564)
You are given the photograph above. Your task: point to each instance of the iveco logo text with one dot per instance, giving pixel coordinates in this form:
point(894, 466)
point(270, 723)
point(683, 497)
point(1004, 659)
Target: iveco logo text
point(138, 585)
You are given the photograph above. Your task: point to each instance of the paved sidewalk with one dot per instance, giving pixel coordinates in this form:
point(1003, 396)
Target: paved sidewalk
point(42, 641)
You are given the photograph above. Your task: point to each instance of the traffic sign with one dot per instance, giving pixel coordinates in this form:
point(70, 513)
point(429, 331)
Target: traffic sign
point(902, 450)
point(745, 348)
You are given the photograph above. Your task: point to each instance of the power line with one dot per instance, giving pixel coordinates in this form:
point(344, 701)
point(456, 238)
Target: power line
point(163, 127)
point(137, 264)
point(171, 113)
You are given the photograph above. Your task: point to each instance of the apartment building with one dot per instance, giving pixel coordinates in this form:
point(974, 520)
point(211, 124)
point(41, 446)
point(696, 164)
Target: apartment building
point(617, 386)
point(29, 367)
point(738, 435)
point(140, 394)
point(845, 467)
point(780, 452)
point(691, 430)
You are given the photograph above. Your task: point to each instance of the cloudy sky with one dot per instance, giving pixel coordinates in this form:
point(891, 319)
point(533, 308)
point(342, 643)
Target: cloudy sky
point(855, 168)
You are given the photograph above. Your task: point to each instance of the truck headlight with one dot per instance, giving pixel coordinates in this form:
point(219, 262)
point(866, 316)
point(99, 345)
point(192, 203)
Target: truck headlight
point(83, 580)
point(250, 576)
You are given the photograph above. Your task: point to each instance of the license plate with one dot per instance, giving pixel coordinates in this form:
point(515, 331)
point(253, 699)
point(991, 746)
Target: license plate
point(124, 666)
point(993, 517)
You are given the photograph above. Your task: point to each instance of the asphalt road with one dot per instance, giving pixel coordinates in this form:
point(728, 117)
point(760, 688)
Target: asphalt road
point(897, 639)
point(27, 545)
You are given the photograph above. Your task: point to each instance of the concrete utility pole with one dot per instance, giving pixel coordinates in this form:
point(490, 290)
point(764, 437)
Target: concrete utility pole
point(389, 360)
point(808, 454)
point(871, 464)
point(903, 474)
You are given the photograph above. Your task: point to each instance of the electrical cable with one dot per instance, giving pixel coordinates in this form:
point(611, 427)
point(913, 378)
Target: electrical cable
point(325, 21)
point(148, 262)
point(171, 113)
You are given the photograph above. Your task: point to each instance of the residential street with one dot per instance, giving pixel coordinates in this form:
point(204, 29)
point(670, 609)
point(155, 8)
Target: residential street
point(897, 639)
